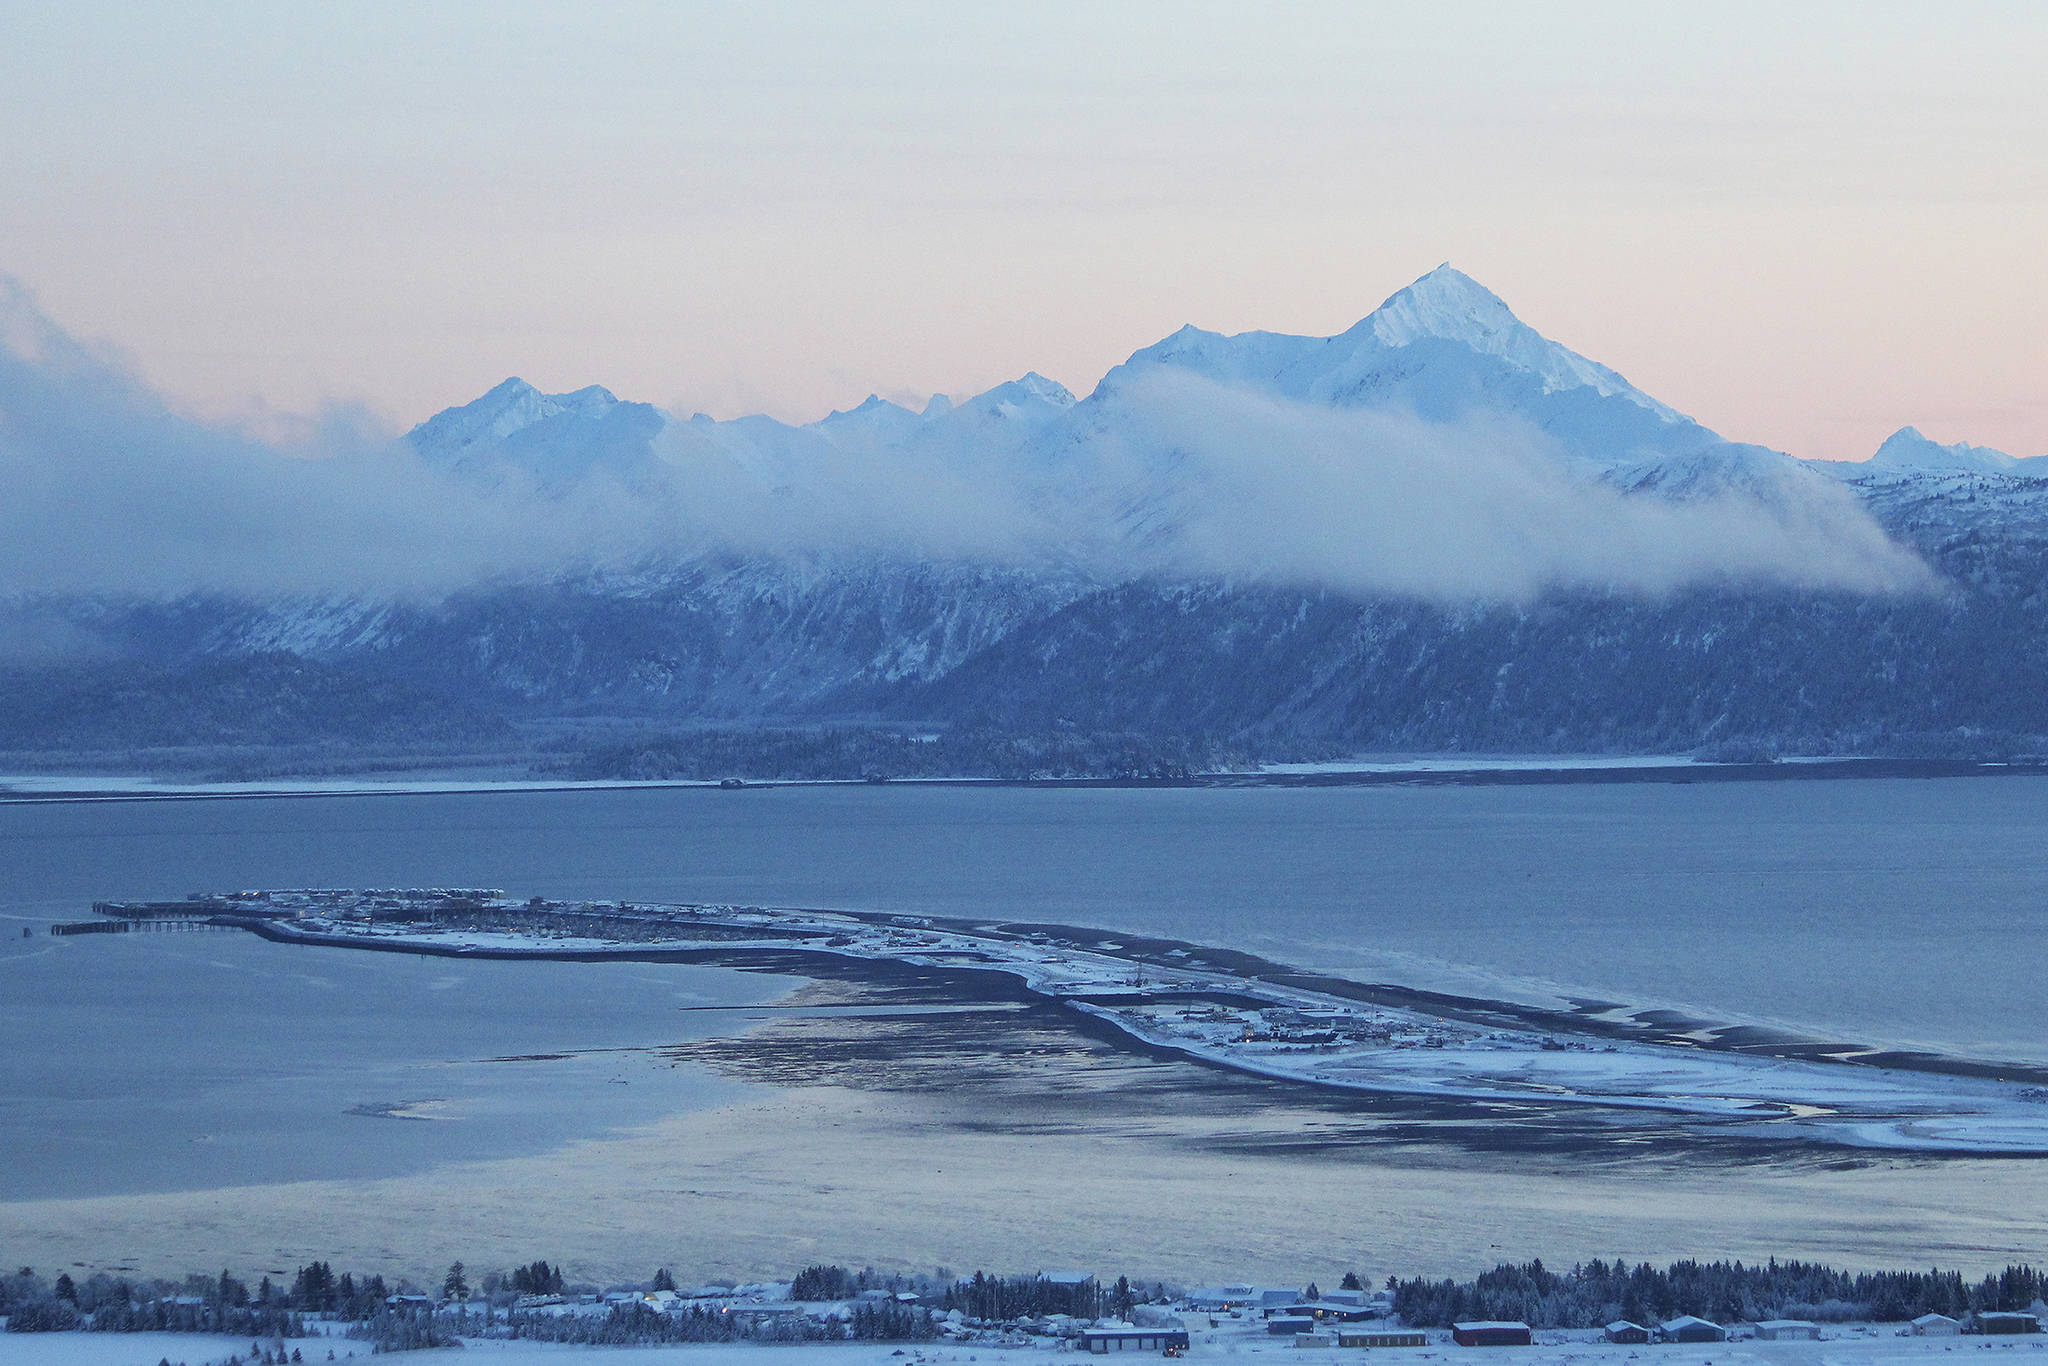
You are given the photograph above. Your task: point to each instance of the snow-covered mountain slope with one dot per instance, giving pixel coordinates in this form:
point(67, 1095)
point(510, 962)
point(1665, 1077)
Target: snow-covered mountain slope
point(1906, 451)
point(1444, 348)
point(1202, 453)
point(1441, 342)
point(714, 637)
point(554, 440)
point(1436, 529)
point(873, 422)
point(1970, 507)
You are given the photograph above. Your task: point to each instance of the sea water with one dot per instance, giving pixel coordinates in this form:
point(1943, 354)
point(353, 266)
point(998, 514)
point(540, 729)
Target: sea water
point(1900, 913)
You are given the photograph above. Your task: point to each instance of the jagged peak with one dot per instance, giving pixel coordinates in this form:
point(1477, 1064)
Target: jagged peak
point(1445, 303)
point(870, 406)
point(1448, 305)
point(507, 407)
point(1027, 387)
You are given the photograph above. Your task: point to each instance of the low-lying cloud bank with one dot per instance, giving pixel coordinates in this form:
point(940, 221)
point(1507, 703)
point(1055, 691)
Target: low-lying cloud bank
point(110, 490)
point(105, 488)
point(1384, 502)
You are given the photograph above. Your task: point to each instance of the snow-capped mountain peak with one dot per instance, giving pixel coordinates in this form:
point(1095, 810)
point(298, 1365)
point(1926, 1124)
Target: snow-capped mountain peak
point(1445, 303)
point(1908, 449)
point(509, 407)
point(1449, 305)
point(874, 419)
point(1032, 392)
point(556, 439)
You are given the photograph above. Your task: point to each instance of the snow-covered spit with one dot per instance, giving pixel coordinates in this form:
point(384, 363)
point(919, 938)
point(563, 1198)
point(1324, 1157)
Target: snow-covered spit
point(1226, 1010)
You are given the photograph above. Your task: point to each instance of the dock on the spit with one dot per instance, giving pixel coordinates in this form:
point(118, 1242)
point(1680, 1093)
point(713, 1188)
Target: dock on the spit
point(193, 913)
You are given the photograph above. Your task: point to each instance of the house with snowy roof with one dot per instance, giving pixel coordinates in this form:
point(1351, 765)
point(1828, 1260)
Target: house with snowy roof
point(1692, 1328)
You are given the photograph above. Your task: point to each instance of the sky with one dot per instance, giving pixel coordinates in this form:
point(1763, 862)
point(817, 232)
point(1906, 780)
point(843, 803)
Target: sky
point(1804, 225)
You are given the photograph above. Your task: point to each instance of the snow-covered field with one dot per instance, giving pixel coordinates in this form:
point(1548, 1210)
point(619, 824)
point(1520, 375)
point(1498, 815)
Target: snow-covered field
point(1848, 1346)
point(147, 1349)
point(1462, 763)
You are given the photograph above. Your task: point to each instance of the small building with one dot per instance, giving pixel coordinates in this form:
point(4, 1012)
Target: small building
point(1330, 1311)
point(1102, 1341)
point(1491, 1334)
point(1382, 1337)
point(1286, 1325)
point(1072, 1292)
point(1622, 1331)
point(1787, 1330)
point(1315, 1339)
point(2003, 1324)
point(1221, 1298)
point(1692, 1328)
point(1936, 1326)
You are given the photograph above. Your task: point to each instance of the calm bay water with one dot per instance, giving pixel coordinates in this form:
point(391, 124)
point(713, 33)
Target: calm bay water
point(1895, 912)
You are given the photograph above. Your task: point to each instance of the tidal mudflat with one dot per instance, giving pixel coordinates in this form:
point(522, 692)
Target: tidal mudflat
point(900, 1122)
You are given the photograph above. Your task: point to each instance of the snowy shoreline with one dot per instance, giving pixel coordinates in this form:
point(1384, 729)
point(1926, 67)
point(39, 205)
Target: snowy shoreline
point(1839, 1345)
point(19, 788)
point(1240, 1013)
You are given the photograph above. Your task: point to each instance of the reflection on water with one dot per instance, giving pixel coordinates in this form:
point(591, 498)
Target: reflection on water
point(188, 1061)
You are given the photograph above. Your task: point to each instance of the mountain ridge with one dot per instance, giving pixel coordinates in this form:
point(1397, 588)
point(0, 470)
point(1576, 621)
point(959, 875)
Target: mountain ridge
point(1136, 563)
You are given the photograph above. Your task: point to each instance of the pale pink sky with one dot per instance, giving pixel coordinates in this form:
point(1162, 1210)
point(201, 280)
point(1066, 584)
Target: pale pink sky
point(1804, 225)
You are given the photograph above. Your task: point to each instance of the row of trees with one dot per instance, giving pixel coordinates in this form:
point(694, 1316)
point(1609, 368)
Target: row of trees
point(1600, 1292)
point(637, 1325)
point(1586, 1296)
point(198, 1304)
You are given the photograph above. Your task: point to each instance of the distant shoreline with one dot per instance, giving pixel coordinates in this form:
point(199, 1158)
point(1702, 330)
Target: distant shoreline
point(25, 789)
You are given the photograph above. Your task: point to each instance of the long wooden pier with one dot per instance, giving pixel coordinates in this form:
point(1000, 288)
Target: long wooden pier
point(178, 925)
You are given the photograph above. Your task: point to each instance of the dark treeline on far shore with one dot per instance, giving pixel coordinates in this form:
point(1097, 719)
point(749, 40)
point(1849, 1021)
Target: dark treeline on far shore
point(847, 752)
point(1597, 1293)
point(543, 1302)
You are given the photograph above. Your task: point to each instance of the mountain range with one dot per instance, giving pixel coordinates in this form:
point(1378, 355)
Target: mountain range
point(1437, 530)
